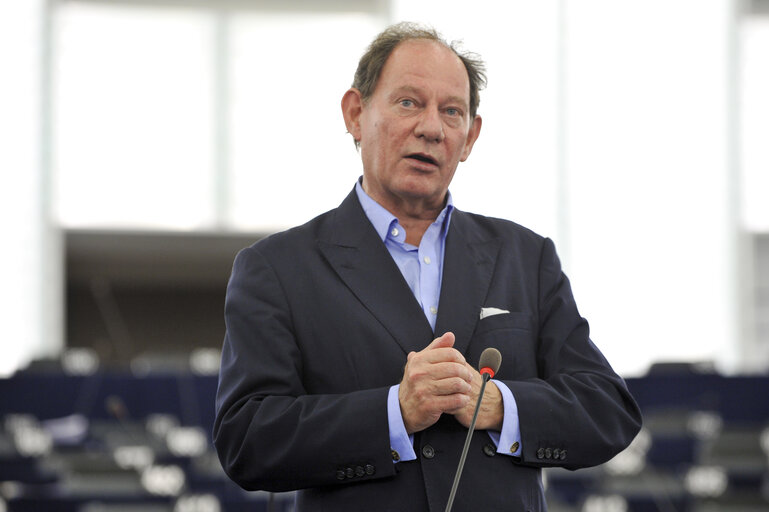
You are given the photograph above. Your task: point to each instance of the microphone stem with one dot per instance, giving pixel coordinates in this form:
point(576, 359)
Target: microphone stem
point(465, 448)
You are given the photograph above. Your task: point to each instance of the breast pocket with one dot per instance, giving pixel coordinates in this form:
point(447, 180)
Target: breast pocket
point(514, 335)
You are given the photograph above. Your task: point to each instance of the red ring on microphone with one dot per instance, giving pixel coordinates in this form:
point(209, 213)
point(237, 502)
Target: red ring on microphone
point(488, 370)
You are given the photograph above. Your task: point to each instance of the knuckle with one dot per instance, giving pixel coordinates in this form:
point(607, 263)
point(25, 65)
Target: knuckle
point(414, 375)
point(460, 401)
point(461, 386)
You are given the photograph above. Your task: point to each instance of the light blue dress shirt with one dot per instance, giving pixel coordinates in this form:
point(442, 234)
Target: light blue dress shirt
point(422, 267)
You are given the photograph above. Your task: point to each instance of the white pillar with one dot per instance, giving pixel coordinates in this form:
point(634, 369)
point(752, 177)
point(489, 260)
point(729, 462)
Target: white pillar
point(31, 258)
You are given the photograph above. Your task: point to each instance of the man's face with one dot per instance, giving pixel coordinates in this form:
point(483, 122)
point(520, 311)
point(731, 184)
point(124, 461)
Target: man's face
point(416, 127)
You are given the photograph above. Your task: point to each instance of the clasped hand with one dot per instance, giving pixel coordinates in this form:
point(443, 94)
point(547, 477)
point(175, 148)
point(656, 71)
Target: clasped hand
point(438, 380)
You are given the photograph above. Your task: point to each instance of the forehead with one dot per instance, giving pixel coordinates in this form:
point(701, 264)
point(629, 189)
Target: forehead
point(422, 63)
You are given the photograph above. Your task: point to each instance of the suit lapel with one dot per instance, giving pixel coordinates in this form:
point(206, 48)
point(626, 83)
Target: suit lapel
point(357, 254)
point(468, 266)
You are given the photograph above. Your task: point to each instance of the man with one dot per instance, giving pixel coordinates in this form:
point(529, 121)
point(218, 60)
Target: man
point(348, 368)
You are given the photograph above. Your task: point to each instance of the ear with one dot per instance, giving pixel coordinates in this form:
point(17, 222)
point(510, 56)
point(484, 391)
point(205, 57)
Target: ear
point(352, 106)
point(472, 136)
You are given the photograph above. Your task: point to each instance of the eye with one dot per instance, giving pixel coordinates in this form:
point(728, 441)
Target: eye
point(407, 103)
point(453, 112)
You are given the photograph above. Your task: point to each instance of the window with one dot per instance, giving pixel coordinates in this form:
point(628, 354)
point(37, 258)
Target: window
point(133, 122)
point(193, 117)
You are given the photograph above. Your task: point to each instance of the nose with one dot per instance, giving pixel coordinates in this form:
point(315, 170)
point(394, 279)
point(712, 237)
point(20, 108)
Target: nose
point(430, 126)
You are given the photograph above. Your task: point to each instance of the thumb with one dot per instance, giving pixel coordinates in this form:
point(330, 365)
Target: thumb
point(447, 340)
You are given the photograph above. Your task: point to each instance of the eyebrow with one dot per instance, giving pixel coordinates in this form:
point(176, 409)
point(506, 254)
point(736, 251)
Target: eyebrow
point(414, 90)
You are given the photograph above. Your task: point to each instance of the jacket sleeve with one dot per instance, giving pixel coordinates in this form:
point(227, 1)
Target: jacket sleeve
point(270, 433)
point(578, 411)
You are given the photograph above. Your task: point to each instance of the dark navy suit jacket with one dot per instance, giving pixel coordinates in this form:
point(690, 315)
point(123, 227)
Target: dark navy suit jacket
point(319, 323)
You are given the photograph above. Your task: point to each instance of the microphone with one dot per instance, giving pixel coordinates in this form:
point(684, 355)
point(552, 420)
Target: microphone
point(489, 365)
point(116, 408)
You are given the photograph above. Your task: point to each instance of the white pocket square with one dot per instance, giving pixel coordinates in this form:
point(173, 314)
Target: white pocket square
point(485, 312)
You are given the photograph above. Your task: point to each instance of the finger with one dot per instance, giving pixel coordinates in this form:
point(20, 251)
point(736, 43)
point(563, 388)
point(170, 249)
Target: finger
point(474, 374)
point(447, 340)
point(449, 386)
point(428, 403)
point(452, 404)
point(437, 356)
point(419, 414)
point(440, 349)
point(436, 371)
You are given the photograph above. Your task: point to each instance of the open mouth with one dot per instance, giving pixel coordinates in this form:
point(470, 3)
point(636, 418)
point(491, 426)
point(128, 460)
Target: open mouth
point(423, 158)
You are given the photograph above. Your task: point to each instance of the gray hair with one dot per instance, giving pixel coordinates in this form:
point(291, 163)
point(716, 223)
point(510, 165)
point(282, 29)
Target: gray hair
point(371, 63)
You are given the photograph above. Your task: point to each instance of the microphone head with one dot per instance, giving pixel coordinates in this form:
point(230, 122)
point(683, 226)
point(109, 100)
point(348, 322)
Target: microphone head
point(490, 361)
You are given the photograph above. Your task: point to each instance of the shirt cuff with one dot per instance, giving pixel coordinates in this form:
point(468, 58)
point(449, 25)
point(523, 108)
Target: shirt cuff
point(401, 443)
point(508, 441)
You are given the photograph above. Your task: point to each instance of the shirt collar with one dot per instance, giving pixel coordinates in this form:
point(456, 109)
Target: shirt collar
point(383, 220)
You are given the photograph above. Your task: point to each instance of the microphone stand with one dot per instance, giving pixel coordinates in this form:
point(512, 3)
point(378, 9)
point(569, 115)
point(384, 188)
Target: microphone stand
point(485, 378)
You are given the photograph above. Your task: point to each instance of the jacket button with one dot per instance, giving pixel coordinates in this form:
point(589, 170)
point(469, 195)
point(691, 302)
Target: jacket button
point(340, 475)
point(563, 455)
point(349, 472)
point(489, 449)
point(370, 470)
point(359, 471)
point(556, 454)
point(428, 451)
point(548, 453)
point(541, 453)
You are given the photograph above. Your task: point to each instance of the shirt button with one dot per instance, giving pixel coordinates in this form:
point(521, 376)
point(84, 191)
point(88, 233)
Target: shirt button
point(427, 260)
point(394, 232)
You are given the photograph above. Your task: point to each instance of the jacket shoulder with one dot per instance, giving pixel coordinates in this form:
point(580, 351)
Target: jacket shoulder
point(493, 227)
point(293, 239)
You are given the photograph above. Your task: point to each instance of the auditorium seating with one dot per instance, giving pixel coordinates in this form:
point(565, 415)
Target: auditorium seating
point(78, 438)
point(704, 447)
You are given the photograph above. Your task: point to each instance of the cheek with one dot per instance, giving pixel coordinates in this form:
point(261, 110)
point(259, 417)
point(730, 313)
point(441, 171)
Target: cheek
point(464, 150)
point(376, 133)
point(388, 141)
point(374, 153)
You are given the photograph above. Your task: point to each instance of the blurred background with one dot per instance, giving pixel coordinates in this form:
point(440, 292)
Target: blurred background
point(143, 143)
